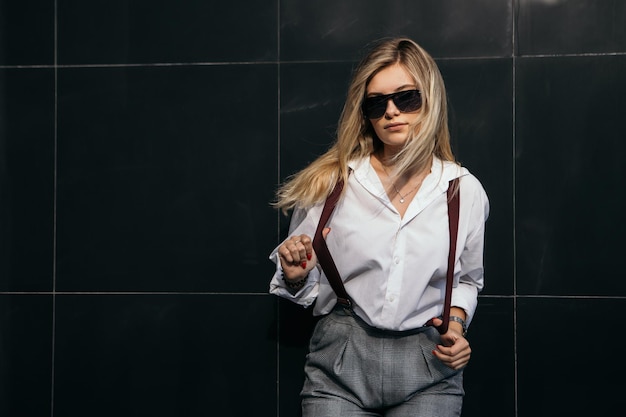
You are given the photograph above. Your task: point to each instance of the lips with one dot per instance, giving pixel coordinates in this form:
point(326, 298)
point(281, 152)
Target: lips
point(394, 126)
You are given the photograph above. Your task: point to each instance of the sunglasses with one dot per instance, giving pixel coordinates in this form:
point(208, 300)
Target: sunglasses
point(406, 101)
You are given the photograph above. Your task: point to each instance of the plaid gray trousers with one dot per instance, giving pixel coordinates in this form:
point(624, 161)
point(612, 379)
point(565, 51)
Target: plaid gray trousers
point(353, 370)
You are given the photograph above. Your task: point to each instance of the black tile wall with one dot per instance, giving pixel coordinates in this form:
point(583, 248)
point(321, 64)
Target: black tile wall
point(25, 354)
point(177, 355)
point(570, 175)
point(295, 326)
point(312, 96)
point(331, 30)
point(571, 27)
point(26, 32)
point(148, 31)
point(164, 178)
point(481, 117)
point(489, 379)
point(141, 143)
point(26, 179)
point(584, 380)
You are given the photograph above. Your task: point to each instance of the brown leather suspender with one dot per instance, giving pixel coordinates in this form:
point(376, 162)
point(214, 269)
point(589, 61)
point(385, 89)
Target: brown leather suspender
point(323, 254)
point(330, 269)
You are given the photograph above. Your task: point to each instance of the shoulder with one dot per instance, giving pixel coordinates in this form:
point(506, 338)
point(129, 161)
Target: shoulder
point(451, 170)
point(470, 182)
point(472, 190)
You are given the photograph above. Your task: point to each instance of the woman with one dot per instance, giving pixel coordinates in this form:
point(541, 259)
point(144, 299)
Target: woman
point(388, 236)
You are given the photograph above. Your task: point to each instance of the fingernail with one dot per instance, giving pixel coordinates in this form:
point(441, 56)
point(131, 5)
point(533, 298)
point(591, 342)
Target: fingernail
point(303, 264)
point(308, 256)
point(434, 353)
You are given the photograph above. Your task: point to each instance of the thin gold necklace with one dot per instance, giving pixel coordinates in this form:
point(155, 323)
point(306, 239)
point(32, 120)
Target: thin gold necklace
point(393, 184)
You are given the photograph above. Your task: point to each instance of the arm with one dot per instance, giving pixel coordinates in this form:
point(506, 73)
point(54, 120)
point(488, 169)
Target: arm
point(297, 276)
point(455, 350)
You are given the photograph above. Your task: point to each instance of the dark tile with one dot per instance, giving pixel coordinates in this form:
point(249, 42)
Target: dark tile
point(331, 30)
point(165, 355)
point(570, 175)
point(561, 371)
point(571, 27)
point(165, 178)
point(489, 379)
point(25, 355)
point(26, 32)
point(295, 327)
point(26, 179)
point(312, 96)
point(309, 114)
point(480, 107)
point(117, 31)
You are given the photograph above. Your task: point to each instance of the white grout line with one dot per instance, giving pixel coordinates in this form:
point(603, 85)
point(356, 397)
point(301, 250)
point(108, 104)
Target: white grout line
point(54, 209)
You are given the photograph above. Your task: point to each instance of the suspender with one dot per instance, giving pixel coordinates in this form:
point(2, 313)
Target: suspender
point(323, 254)
point(330, 269)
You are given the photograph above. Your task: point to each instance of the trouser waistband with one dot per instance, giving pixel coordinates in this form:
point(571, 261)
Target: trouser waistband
point(376, 331)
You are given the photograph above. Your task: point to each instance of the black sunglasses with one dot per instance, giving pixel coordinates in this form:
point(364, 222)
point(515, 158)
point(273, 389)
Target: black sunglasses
point(406, 101)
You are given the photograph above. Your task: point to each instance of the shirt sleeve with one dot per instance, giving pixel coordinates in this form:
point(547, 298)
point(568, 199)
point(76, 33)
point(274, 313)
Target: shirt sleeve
point(471, 278)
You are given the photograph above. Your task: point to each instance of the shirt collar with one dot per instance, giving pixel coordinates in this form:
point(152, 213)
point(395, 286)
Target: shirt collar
point(441, 172)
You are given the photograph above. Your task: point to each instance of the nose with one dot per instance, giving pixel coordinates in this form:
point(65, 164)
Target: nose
point(391, 110)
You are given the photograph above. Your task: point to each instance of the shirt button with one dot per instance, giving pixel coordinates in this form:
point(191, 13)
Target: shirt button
point(396, 260)
point(391, 298)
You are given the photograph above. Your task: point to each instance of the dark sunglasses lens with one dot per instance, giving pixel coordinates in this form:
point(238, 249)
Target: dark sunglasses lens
point(405, 101)
point(374, 107)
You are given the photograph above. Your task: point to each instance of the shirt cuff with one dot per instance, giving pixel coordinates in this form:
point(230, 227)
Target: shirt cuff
point(465, 297)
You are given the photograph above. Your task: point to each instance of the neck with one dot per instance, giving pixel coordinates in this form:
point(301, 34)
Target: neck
point(387, 155)
point(386, 159)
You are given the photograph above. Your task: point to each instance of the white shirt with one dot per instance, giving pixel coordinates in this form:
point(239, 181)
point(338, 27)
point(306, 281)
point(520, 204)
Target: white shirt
point(393, 268)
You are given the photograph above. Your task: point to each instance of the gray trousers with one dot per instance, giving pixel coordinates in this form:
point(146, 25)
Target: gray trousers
point(356, 370)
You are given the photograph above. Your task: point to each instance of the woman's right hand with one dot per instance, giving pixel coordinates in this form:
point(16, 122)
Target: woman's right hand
point(297, 256)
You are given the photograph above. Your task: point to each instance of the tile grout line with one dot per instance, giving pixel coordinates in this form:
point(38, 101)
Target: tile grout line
point(54, 207)
point(55, 65)
point(514, 16)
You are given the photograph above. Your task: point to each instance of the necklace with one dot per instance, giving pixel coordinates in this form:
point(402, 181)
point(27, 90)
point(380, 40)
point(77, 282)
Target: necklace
point(393, 184)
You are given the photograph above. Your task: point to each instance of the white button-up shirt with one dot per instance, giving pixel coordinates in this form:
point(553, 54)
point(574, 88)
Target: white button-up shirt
point(394, 268)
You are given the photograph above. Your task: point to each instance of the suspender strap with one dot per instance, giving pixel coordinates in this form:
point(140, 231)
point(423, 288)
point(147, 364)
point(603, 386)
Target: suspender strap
point(323, 254)
point(453, 226)
point(330, 269)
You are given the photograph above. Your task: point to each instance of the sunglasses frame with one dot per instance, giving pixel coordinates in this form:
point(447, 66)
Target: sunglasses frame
point(381, 102)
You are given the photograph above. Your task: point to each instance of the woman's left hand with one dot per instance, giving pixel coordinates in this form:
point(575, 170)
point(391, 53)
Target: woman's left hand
point(454, 350)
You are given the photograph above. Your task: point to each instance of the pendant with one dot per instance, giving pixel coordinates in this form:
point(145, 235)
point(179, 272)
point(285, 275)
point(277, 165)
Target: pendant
point(402, 200)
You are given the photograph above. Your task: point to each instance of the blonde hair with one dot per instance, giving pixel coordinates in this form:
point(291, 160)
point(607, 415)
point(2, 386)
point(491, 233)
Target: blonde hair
point(355, 135)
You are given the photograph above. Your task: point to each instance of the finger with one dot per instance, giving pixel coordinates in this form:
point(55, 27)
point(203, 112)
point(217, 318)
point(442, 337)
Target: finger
point(304, 246)
point(453, 350)
point(437, 321)
point(301, 248)
point(285, 254)
point(452, 362)
point(295, 240)
point(296, 249)
point(325, 232)
point(305, 239)
point(290, 252)
point(308, 246)
point(459, 363)
point(451, 339)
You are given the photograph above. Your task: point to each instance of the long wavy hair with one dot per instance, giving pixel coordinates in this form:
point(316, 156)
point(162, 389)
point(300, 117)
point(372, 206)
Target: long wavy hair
point(356, 138)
